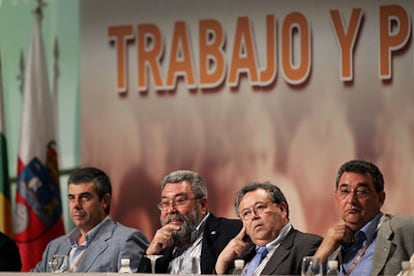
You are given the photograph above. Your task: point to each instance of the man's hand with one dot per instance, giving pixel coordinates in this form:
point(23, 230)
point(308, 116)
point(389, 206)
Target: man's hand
point(336, 235)
point(233, 250)
point(163, 238)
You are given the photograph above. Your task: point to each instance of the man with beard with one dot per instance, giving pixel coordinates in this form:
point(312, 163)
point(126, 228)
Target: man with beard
point(97, 244)
point(188, 228)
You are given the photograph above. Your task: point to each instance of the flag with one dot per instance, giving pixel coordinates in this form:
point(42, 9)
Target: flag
point(38, 210)
point(5, 206)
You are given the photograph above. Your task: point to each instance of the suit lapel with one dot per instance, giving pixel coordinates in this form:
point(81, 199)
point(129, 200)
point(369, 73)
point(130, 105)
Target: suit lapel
point(280, 254)
point(383, 247)
point(209, 237)
point(64, 248)
point(97, 246)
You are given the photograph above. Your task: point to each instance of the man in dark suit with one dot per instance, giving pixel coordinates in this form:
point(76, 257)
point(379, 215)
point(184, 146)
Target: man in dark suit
point(367, 242)
point(264, 211)
point(9, 254)
point(188, 228)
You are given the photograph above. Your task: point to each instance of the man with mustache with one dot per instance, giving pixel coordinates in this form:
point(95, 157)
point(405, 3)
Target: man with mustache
point(97, 244)
point(367, 242)
point(188, 227)
point(278, 248)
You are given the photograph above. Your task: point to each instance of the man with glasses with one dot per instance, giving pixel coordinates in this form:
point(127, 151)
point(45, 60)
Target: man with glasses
point(187, 226)
point(278, 248)
point(367, 242)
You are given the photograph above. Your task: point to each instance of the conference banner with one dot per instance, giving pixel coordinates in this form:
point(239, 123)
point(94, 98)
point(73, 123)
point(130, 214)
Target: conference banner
point(243, 91)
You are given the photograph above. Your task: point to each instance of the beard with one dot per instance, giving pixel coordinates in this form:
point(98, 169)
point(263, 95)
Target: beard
point(189, 223)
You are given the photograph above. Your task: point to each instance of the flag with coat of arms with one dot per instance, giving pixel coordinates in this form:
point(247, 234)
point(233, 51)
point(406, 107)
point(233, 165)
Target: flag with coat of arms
point(38, 210)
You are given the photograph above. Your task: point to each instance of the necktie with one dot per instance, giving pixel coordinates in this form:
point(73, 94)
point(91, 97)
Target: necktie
point(257, 259)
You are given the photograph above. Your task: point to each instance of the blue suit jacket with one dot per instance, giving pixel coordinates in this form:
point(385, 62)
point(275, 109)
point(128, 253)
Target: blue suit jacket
point(112, 242)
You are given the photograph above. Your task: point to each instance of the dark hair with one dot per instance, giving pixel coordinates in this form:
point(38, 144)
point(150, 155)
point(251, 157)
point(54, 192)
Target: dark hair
point(197, 183)
point(362, 167)
point(274, 192)
point(91, 174)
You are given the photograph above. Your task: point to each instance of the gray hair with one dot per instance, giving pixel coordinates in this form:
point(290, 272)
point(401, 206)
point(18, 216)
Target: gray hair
point(197, 183)
point(274, 192)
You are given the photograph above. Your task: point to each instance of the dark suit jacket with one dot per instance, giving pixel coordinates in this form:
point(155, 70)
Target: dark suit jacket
point(217, 233)
point(9, 254)
point(287, 258)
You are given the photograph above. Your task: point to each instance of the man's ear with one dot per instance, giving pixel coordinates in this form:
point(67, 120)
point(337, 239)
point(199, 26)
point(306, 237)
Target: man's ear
point(106, 200)
point(203, 205)
point(283, 207)
point(381, 197)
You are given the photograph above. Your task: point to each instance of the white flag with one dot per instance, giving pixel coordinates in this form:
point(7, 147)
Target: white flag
point(38, 213)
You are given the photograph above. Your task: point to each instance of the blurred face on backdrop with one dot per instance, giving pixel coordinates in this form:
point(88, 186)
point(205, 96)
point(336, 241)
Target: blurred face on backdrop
point(85, 206)
point(357, 200)
point(182, 208)
point(262, 218)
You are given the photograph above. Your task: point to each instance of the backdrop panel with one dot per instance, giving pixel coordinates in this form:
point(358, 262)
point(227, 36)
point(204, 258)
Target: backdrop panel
point(243, 91)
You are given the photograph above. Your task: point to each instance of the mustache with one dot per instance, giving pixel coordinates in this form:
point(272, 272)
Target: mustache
point(179, 235)
point(176, 216)
point(354, 208)
point(78, 212)
point(189, 223)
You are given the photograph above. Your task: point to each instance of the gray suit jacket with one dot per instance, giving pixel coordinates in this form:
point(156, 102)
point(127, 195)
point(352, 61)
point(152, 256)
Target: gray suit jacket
point(112, 242)
point(394, 244)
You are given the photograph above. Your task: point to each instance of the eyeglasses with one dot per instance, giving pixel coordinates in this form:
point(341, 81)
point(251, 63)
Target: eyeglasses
point(177, 202)
point(259, 208)
point(360, 192)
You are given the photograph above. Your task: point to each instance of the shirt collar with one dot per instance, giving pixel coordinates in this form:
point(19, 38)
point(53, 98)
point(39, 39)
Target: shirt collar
point(370, 228)
point(75, 233)
point(282, 234)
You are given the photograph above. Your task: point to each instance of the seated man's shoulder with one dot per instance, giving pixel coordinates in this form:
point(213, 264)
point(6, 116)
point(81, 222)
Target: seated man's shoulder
point(123, 231)
point(224, 225)
point(228, 225)
point(308, 237)
point(231, 222)
point(60, 239)
point(6, 241)
point(56, 243)
point(123, 228)
point(401, 221)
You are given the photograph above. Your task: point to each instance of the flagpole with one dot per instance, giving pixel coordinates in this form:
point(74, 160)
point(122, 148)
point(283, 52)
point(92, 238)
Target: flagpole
point(55, 84)
point(20, 77)
point(39, 9)
point(2, 119)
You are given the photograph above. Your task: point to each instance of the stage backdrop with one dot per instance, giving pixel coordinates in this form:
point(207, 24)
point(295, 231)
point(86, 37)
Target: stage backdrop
point(241, 91)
